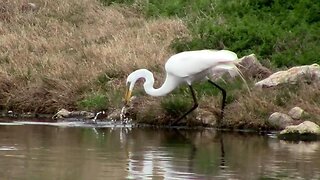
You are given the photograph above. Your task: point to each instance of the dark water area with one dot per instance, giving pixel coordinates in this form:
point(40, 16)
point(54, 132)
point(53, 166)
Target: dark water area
point(78, 151)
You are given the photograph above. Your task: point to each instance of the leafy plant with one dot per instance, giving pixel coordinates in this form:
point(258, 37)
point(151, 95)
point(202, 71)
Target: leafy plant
point(95, 101)
point(176, 105)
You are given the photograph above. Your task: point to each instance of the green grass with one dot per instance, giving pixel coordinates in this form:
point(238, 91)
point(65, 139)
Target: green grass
point(176, 105)
point(286, 33)
point(97, 101)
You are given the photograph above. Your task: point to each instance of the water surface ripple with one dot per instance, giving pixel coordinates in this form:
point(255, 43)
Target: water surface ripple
point(73, 150)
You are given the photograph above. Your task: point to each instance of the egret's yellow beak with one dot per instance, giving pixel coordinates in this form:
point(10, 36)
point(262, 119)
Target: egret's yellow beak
point(127, 95)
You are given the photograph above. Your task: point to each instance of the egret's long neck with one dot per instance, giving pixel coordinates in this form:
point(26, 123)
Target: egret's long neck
point(169, 85)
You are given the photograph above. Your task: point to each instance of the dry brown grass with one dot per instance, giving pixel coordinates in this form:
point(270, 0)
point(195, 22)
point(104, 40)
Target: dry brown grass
point(252, 111)
point(51, 57)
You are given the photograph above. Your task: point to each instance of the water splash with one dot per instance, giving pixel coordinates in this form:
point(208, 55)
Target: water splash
point(123, 118)
point(94, 120)
point(122, 113)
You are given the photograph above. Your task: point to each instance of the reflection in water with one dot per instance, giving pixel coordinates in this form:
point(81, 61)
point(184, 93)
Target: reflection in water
point(158, 163)
point(222, 163)
point(50, 152)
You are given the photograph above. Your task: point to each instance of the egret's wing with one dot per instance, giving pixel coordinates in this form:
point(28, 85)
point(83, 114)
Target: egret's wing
point(189, 63)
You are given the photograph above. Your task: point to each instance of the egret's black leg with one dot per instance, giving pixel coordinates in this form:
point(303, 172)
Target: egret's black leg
point(195, 105)
point(224, 95)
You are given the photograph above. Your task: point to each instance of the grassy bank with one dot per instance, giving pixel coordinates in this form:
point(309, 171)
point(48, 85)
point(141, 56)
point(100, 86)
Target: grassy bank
point(76, 54)
point(280, 33)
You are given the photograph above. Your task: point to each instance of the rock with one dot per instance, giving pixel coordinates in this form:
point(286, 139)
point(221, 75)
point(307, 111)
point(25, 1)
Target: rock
point(63, 113)
point(303, 128)
point(279, 120)
point(296, 113)
point(206, 117)
point(292, 76)
point(251, 67)
point(82, 114)
point(304, 131)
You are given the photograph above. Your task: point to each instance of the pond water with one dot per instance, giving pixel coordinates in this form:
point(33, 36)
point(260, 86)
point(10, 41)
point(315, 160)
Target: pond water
point(71, 151)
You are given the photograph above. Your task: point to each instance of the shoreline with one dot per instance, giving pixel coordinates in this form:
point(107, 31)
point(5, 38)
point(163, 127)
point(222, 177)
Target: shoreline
point(48, 119)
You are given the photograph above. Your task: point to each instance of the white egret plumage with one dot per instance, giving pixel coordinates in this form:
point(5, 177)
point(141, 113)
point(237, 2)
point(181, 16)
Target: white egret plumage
point(187, 67)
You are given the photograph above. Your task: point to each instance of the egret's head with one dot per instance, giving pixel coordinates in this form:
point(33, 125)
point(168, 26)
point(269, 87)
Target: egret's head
point(131, 80)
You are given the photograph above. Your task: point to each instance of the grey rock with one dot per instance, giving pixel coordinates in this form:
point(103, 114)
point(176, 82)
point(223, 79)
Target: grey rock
point(296, 113)
point(63, 113)
point(306, 130)
point(206, 117)
point(251, 67)
point(292, 76)
point(303, 128)
point(279, 120)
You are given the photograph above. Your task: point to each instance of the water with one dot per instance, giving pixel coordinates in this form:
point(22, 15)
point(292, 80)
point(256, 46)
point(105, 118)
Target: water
point(70, 151)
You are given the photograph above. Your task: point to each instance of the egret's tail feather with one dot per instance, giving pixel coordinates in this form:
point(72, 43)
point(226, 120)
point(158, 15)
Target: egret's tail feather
point(233, 70)
point(238, 71)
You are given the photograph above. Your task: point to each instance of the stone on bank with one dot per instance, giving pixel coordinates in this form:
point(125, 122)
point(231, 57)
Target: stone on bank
point(296, 113)
point(292, 76)
point(306, 130)
point(279, 120)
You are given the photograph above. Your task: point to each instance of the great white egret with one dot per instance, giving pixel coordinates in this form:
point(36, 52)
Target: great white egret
point(187, 67)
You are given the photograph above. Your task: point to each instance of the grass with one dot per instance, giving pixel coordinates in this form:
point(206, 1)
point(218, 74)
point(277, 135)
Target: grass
point(280, 33)
point(76, 54)
point(97, 101)
point(253, 110)
point(69, 49)
point(283, 32)
point(175, 106)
